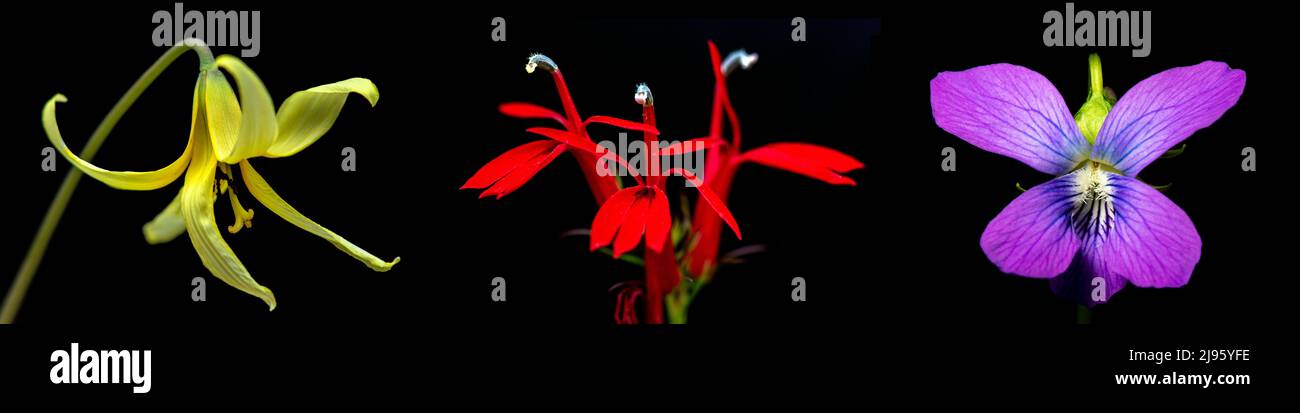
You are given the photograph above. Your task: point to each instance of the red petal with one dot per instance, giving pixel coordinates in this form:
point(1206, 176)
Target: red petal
point(625, 124)
point(720, 98)
point(696, 144)
point(610, 217)
point(834, 160)
point(659, 222)
point(524, 110)
point(716, 59)
point(502, 165)
point(520, 175)
point(566, 137)
point(712, 199)
point(808, 160)
point(629, 235)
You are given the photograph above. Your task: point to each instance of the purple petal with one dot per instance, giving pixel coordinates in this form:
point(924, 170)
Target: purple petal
point(1080, 284)
point(1163, 110)
point(1032, 237)
point(1151, 242)
point(1009, 110)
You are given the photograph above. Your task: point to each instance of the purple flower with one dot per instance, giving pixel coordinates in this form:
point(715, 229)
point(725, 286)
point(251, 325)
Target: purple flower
point(1094, 228)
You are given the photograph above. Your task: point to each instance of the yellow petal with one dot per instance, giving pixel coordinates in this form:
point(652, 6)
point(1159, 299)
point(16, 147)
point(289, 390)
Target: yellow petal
point(308, 114)
point(197, 197)
point(267, 196)
point(167, 225)
point(135, 181)
point(222, 111)
point(240, 128)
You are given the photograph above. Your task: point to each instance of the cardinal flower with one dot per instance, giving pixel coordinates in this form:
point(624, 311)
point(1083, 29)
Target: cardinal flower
point(643, 209)
point(514, 168)
point(1095, 227)
point(814, 161)
point(228, 132)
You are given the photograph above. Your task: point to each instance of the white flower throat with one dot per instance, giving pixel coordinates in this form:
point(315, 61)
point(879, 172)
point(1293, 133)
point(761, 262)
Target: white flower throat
point(1093, 208)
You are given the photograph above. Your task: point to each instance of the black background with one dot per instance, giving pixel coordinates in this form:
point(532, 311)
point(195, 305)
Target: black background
point(899, 292)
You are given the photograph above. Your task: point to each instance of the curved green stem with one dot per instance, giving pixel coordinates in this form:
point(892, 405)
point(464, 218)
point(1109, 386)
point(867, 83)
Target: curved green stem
point(14, 300)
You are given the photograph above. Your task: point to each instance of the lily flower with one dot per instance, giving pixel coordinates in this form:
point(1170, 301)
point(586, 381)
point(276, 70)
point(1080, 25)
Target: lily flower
point(1094, 224)
point(721, 163)
point(513, 169)
point(228, 132)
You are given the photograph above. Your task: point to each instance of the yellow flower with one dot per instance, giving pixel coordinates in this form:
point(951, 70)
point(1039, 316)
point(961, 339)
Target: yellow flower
point(226, 132)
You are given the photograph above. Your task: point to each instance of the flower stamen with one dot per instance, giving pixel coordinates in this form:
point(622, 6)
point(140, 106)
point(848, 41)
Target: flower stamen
point(1093, 212)
point(540, 60)
point(739, 58)
point(243, 217)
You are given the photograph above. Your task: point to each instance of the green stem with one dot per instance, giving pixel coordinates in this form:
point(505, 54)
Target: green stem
point(14, 300)
point(1083, 315)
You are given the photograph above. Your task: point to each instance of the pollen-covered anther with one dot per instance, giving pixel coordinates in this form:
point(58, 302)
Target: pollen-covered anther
point(643, 95)
point(243, 217)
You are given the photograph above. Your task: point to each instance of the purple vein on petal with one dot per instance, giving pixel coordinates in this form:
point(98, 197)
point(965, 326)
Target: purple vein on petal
point(1011, 111)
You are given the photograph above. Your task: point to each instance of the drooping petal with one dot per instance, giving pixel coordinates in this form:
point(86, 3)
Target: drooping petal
point(135, 181)
point(629, 234)
point(1032, 236)
point(507, 162)
point(659, 221)
point(524, 110)
point(710, 198)
point(1009, 110)
point(817, 162)
point(525, 171)
point(168, 225)
point(197, 197)
point(257, 126)
point(568, 138)
point(1081, 284)
point(620, 123)
point(222, 111)
point(267, 196)
point(1150, 242)
point(610, 217)
point(306, 115)
point(1164, 109)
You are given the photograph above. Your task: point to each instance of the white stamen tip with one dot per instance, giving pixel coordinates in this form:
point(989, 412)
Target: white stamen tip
point(643, 95)
point(739, 58)
point(540, 60)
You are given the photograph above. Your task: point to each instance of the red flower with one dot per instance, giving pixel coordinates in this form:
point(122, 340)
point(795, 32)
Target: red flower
point(644, 210)
point(721, 163)
point(514, 168)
